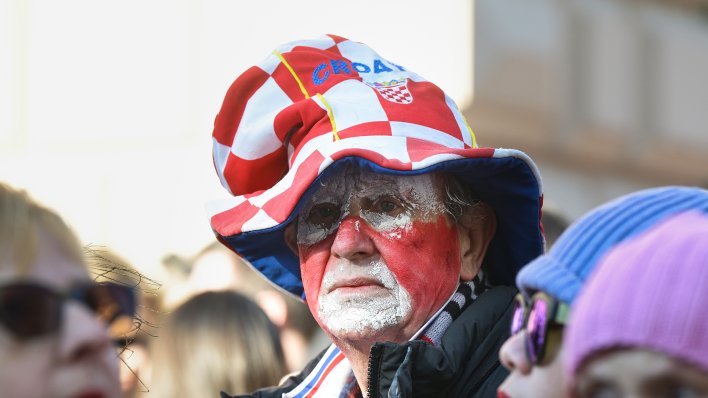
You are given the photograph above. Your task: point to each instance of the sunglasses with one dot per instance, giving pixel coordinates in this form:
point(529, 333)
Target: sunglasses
point(541, 315)
point(29, 310)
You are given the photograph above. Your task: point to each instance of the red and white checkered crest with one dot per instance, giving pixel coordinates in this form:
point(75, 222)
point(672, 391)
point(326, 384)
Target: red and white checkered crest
point(394, 91)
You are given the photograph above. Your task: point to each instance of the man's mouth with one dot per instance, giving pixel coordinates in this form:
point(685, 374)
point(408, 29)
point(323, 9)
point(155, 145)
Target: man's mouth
point(359, 284)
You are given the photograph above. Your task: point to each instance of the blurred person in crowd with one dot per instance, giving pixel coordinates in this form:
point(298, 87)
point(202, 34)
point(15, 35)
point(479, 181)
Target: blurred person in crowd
point(360, 188)
point(297, 327)
point(217, 268)
point(554, 223)
point(208, 270)
point(106, 265)
point(550, 284)
point(56, 325)
point(215, 341)
point(639, 326)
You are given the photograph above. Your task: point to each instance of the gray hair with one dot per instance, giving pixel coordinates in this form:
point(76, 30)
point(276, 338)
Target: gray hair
point(458, 197)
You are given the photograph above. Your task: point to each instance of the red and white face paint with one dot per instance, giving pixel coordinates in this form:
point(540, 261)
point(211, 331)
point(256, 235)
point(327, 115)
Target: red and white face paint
point(378, 254)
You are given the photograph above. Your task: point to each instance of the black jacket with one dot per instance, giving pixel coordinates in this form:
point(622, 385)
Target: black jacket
point(466, 364)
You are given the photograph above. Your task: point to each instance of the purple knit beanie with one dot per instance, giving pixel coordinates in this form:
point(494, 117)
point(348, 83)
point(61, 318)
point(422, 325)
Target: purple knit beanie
point(649, 292)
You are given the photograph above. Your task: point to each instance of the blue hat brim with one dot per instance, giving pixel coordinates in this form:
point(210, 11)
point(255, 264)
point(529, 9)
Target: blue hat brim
point(510, 185)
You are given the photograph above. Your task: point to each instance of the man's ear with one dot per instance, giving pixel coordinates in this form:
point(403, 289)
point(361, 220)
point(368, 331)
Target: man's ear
point(476, 229)
point(290, 234)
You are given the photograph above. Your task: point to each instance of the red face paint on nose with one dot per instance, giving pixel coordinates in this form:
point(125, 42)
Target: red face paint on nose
point(423, 256)
point(348, 244)
point(353, 240)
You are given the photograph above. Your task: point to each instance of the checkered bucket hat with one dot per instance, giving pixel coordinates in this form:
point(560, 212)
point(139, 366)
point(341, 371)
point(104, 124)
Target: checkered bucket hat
point(314, 105)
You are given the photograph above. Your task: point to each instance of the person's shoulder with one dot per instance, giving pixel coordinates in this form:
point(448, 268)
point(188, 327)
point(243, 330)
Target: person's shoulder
point(490, 384)
point(476, 336)
point(491, 306)
point(481, 328)
point(287, 383)
point(498, 292)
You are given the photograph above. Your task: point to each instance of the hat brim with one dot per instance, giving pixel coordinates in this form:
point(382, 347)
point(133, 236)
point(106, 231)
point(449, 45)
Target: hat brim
point(505, 179)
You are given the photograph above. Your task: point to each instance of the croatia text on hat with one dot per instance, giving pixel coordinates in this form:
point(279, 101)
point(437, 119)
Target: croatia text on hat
point(322, 72)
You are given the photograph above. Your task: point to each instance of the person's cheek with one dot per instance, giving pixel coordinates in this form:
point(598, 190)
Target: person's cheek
point(426, 255)
point(313, 264)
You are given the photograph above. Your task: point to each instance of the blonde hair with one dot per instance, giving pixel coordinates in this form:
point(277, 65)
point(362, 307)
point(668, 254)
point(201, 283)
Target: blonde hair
point(21, 222)
point(251, 282)
point(215, 341)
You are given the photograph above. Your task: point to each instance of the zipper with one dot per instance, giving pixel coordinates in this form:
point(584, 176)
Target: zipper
point(373, 370)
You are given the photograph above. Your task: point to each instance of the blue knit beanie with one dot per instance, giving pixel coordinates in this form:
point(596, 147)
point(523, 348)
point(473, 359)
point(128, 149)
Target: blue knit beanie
point(562, 271)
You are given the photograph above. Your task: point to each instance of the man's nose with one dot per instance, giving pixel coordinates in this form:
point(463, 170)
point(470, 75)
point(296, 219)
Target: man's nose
point(83, 335)
point(513, 354)
point(352, 240)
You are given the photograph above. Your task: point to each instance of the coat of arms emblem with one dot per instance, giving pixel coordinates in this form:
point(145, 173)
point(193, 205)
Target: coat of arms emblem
point(394, 90)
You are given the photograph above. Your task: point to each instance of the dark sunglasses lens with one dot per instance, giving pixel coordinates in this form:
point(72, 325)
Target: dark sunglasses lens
point(536, 329)
point(517, 320)
point(29, 311)
point(110, 301)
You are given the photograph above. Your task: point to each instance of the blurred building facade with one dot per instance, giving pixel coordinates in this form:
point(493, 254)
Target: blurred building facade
point(607, 96)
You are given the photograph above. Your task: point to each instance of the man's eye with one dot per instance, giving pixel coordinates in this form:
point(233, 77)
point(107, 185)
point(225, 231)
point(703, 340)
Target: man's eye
point(388, 205)
point(324, 214)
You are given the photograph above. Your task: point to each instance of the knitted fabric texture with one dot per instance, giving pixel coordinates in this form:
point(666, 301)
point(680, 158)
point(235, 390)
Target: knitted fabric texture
point(465, 295)
point(649, 292)
point(562, 271)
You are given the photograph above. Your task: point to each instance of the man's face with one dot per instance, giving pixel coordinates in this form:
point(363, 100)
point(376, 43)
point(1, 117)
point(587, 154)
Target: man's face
point(378, 254)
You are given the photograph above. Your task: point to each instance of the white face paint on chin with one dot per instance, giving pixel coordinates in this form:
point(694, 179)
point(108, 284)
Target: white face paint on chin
point(357, 314)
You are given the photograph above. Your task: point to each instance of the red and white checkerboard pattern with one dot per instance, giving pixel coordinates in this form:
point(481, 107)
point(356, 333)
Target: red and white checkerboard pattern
point(268, 208)
point(276, 131)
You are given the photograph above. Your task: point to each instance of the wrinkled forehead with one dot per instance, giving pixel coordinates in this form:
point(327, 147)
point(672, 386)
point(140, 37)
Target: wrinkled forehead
point(352, 183)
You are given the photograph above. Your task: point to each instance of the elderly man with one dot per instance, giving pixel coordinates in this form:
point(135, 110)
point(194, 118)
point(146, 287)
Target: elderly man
point(359, 187)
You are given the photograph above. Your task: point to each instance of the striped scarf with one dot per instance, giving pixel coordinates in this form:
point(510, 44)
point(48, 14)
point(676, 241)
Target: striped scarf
point(466, 294)
point(333, 377)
